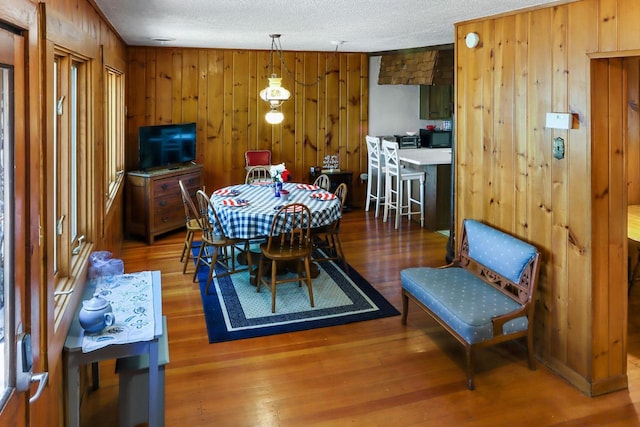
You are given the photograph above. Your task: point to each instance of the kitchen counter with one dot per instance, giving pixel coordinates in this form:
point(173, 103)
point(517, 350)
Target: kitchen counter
point(436, 162)
point(425, 156)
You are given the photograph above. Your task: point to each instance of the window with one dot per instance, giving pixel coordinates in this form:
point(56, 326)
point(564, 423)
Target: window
point(114, 132)
point(6, 198)
point(71, 180)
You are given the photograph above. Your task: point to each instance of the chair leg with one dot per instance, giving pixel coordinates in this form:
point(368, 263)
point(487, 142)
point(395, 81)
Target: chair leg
point(532, 360)
point(212, 267)
point(259, 273)
point(307, 268)
point(399, 197)
point(198, 259)
point(379, 198)
point(387, 198)
point(470, 384)
point(422, 203)
point(188, 244)
point(366, 206)
point(273, 286)
point(405, 308)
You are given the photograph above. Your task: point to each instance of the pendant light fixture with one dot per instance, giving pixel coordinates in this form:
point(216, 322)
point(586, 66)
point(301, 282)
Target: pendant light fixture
point(274, 94)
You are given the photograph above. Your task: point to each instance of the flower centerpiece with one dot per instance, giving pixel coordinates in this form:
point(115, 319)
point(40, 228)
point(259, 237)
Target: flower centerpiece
point(279, 174)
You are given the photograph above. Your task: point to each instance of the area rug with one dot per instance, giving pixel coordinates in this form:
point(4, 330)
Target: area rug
point(234, 310)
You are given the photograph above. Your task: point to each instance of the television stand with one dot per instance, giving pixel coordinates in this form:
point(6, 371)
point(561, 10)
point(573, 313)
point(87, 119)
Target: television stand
point(153, 200)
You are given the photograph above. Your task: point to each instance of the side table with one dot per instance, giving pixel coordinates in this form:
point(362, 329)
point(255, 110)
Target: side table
point(336, 177)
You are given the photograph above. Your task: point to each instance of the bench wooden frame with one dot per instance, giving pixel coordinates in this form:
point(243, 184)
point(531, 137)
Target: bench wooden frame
point(522, 292)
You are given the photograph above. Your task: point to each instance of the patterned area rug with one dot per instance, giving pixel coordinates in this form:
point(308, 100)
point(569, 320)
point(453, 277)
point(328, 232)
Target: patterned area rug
point(234, 310)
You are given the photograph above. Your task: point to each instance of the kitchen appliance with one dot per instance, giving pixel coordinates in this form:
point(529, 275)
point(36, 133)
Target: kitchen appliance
point(407, 141)
point(435, 139)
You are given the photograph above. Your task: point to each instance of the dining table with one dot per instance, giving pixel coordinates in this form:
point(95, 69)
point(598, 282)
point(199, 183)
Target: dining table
point(246, 211)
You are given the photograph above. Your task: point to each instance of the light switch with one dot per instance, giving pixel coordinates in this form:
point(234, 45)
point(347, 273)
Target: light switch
point(559, 120)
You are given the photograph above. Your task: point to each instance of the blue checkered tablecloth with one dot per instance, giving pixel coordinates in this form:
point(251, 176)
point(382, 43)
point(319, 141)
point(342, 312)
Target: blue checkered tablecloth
point(254, 219)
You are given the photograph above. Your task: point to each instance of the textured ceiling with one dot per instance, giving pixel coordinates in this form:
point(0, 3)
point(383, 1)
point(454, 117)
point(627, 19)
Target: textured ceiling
point(363, 25)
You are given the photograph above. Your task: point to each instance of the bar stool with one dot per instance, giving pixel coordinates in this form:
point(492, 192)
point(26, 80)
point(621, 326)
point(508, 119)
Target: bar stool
point(396, 177)
point(375, 168)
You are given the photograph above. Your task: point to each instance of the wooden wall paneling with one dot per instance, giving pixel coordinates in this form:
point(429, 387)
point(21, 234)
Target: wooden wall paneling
point(312, 140)
point(600, 180)
point(135, 79)
point(202, 104)
point(608, 22)
point(539, 206)
point(161, 87)
point(350, 147)
point(220, 160)
point(502, 189)
point(343, 89)
point(617, 283)
point(632, 70)
point(627, 21)
point(234, 152)
point(581, 39)
point(177, 61)
point(207, 144)
point(486, 131)
point(332, 88)
point(555, 269)
point(189, 83)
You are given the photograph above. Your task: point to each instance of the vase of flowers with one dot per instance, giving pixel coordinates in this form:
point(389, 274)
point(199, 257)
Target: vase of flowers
point(279, 174)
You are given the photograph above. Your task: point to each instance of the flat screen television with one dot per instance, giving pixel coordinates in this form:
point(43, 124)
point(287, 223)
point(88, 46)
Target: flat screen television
point(166, 145)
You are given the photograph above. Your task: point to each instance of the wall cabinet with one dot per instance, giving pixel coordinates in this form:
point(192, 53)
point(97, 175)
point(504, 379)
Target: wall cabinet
point(153, 201)
point(435, 102)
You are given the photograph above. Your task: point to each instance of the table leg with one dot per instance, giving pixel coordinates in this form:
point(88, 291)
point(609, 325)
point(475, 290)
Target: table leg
point(73, 396)
point(154, 419)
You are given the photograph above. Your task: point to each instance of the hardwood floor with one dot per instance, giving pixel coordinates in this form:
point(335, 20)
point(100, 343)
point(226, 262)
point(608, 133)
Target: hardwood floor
point(374, 373)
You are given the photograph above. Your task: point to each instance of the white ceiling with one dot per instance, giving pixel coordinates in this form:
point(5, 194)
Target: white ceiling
point(312, 25)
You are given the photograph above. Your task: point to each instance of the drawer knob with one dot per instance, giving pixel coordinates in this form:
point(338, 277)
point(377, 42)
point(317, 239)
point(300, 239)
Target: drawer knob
point(163, 203)
point(165, 186)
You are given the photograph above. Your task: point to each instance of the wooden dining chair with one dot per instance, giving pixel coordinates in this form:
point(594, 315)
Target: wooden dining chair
point(289, 241)
point(216, 248)
point(323, 182)
point(258, 173)
point(327, 238)
point(192, 225)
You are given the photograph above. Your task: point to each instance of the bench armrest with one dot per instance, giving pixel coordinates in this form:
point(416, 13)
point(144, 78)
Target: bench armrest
point(499, 321)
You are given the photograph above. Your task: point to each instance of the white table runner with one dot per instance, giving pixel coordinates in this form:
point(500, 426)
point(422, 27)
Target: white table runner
point(131, 298)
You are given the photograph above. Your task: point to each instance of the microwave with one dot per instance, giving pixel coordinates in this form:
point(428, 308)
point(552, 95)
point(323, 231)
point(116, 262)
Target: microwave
point(435, 138)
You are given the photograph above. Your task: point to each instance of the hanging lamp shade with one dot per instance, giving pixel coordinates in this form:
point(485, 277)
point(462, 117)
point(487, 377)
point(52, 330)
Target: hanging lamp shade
point(274, 94)
point(274, 117)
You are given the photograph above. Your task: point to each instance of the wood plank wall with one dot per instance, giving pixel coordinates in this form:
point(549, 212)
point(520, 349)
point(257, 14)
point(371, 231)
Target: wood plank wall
point(556, 59)
point(218, 89)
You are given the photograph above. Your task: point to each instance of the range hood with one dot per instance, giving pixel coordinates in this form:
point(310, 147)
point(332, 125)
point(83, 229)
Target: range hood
point(427, 67)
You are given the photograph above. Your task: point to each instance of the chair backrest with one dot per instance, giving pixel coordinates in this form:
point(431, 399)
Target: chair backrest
point(374, 158)
point(390, 153)
point(291, 227)
point(257, 157)
point(209, 221)
point(323, 182)
point(341, 193)
point(190, 210)
point(258, 173)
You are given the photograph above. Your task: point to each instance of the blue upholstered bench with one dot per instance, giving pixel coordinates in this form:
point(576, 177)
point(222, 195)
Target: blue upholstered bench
point(485, 296)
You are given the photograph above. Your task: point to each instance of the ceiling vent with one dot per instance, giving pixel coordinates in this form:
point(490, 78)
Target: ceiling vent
point(428, 67)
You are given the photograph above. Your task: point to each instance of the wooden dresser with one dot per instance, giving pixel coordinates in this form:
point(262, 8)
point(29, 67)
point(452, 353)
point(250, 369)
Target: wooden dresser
point(153, 203)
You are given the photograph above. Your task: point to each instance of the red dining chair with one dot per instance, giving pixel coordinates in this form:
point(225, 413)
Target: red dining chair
point(257, 158)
